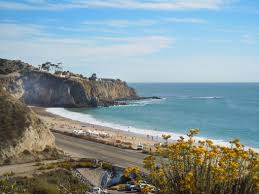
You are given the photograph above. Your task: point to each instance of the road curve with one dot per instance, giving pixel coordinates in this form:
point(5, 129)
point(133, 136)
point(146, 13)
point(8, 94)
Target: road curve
point(83, 148)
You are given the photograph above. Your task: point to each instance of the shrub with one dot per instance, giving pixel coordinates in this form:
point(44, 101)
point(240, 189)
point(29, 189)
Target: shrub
point(189, 167)
point(106, 166)
point(26, 152)
point(132, 173)
point(47, 166)
point(53, 182)
point(42, 186)
point(9, 173)
point(85, 164)
point(65, 165)
point(7, 161)
point(39, 164)
point(9, 186)
point(68, 165)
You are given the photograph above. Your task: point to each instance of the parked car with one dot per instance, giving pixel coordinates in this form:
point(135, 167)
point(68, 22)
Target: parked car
point(97, 190)
point(141, 186)
point(79, 132)
point(131, 186)
point(140, 147)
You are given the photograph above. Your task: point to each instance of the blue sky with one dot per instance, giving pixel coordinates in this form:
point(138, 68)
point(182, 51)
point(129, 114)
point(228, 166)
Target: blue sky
point(137, 40)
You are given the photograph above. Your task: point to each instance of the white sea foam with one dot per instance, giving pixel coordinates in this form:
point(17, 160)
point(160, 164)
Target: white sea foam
point(198, 97)
point(207, 97)
point(141, 102)
point(82, 117)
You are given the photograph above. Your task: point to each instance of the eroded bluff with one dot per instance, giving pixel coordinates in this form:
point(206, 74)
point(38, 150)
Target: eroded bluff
point(41, 88)
point(23, 136)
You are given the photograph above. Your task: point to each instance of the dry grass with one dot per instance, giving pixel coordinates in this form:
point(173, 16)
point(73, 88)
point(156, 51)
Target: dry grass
point(72, 164)
point(54, 182)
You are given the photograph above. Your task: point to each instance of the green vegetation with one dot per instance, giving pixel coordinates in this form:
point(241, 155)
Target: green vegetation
point(68, 165)
point(93, 77)
point(73, 164)
point(55, 178)
point(12, 66)
point(166, 137)
point(107, 166)
point(49, 66)
point(53, 182)
point(190, 167)
point(11, 187)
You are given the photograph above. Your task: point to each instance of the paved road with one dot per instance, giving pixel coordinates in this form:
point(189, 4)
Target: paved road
point(83, 148)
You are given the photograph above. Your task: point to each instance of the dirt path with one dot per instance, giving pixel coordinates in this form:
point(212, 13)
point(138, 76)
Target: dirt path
point(26, 169)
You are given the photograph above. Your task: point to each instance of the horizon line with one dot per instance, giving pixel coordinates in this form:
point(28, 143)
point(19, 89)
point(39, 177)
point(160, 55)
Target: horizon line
point(245, 82)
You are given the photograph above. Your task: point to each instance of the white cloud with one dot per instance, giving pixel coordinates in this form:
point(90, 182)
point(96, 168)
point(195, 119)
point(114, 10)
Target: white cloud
point(248, 39)
point(16, 31)
point(119, 4)
point(30, 43)
point(220, 41)
point(121, 23)
point(59, 48)
point(157, 5)
point(187, 20)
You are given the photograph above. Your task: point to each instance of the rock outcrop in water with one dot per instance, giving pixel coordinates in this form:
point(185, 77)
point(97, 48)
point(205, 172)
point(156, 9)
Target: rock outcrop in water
point(40, 88)
point(23, 136)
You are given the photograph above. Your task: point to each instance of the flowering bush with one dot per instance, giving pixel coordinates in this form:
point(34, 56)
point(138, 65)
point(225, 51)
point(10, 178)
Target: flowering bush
point(133, 173)
point(190, 167)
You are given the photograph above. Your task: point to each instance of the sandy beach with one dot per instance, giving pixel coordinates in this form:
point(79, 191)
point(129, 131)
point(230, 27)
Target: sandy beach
point(98, 133)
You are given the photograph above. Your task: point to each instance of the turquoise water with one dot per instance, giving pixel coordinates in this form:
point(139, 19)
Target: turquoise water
point(221, 111)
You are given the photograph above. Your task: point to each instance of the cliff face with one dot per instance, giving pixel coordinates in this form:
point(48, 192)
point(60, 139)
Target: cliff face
point(44, 89)
point(21, 132)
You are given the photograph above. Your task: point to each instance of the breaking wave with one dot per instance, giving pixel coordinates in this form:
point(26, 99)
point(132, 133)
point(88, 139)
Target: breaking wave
point(82, 117)
point(207, 97)
point(141, 102)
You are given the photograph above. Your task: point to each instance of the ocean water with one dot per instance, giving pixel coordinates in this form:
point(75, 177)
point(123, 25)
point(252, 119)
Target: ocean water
point(221, 111)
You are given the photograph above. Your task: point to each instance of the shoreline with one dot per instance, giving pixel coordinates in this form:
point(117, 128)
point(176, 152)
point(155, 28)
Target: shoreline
point(116, 137)
point(122, 133)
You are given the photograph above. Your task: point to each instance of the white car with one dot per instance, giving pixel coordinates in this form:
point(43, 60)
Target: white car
point(131, 186)
point(97, 190)
point(143, 185)
point(140, 147)
point(79, 132)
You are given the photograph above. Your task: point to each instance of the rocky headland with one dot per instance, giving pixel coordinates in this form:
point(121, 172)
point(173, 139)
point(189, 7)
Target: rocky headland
point(41, 88)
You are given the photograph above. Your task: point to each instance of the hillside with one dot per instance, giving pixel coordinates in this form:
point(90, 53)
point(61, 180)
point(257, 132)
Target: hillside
point(35, 87)
point(12, 66)
point(22, 135)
